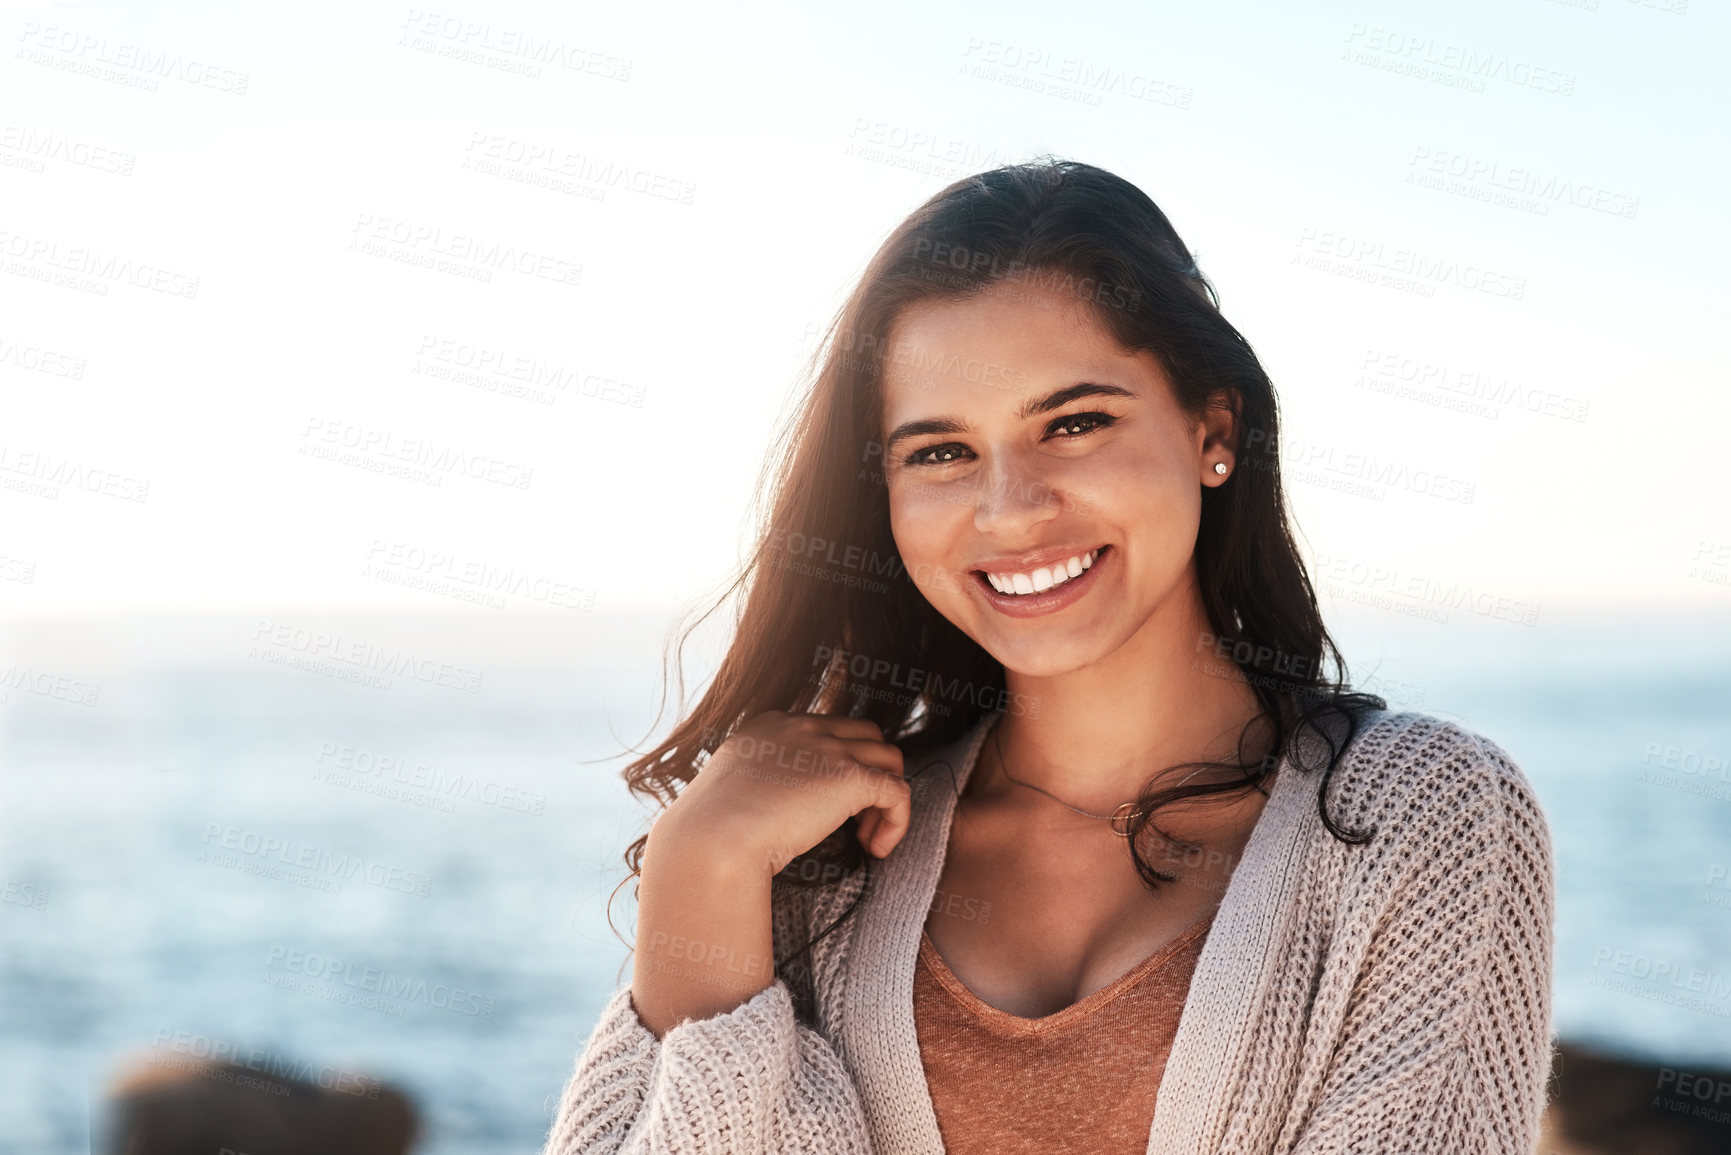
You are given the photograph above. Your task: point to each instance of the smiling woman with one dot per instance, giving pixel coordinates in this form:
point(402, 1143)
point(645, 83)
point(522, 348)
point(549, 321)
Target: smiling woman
point(863, 927)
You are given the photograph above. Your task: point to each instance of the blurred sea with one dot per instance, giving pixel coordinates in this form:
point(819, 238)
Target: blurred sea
point(408, 880)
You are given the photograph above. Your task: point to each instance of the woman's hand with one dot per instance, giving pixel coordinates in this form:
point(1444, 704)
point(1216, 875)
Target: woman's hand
point(773, 790)
point(783, 782)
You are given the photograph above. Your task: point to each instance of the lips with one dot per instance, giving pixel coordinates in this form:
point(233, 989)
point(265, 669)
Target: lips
point(1055, 597)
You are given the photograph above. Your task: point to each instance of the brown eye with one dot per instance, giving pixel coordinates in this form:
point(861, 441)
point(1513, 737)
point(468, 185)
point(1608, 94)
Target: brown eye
point(918, 456)
point(1092, 422)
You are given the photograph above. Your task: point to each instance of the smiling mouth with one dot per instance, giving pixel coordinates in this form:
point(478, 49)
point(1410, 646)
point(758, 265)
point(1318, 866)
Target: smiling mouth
point(1043, 579)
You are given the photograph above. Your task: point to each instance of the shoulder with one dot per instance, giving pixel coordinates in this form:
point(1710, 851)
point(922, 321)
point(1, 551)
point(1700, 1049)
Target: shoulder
point(1415, 774)
point(1459, 851)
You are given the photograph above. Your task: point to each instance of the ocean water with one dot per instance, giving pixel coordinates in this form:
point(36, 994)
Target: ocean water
point(409, 881)
point(181, 844)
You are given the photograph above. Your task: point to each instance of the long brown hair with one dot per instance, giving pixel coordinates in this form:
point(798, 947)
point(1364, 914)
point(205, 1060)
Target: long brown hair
point(832, 623)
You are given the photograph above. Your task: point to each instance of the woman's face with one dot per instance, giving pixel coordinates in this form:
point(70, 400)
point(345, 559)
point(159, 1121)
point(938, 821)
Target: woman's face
point(1017, 434)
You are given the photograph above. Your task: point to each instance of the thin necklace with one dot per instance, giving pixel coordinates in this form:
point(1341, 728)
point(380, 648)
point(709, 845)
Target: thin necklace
point(1119, 818)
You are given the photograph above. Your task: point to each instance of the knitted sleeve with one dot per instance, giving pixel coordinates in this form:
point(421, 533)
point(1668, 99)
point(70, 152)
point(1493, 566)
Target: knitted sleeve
point(756, 1080)
point(1446, 1047)
point(752, 1081)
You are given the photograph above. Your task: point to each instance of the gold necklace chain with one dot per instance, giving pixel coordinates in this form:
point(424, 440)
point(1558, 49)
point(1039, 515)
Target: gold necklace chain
point(1119, 818)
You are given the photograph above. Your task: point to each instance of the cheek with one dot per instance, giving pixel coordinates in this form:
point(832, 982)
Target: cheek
point(921, 519)
point(1168, 520)
point(924, 523)
point(1139, 489)
point(1153, 501)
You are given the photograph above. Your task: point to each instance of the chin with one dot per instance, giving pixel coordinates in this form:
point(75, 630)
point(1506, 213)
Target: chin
point(1039, 658)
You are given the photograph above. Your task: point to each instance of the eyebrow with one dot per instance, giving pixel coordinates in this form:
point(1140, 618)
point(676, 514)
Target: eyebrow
point(1056, 399)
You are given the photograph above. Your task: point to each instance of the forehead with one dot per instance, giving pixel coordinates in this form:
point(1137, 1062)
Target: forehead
point(1000, 347)
point(1024, 321)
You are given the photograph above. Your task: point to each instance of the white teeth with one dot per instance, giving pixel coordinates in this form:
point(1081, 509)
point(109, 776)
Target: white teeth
point(1043, 578)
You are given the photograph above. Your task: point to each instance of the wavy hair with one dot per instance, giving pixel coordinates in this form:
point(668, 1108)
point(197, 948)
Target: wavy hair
point(830, 620)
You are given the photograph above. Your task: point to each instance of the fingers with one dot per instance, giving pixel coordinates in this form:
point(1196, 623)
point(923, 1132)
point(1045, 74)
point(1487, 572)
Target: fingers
point(867, 828)
point(876, 754)
point(834, 763)
point(842, 726)
point(821, 736)
point(892, 824)
point(884, 805)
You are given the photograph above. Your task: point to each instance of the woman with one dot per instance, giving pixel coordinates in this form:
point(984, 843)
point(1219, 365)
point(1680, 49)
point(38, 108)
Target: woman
point(1023, 814)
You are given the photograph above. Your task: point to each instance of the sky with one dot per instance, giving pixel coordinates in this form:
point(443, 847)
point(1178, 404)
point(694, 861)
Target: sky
point(246, 292)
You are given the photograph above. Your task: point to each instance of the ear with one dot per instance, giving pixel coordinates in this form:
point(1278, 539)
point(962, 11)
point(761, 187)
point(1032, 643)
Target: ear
point(1217, 438)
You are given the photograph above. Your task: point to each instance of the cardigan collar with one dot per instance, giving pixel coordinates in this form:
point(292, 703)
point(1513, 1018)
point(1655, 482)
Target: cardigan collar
point(877, 1032)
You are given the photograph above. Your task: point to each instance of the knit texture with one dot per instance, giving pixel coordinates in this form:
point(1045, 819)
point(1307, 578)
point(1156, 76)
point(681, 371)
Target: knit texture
point(1388, 997)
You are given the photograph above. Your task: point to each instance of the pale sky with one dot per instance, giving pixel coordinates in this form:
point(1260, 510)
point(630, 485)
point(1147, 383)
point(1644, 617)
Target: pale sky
point(1563, 164)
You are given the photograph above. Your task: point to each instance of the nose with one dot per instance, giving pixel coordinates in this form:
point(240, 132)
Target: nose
point(1014, 498)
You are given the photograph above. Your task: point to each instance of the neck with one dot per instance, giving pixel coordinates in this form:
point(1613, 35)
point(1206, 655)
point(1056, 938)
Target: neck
point(1100, 732)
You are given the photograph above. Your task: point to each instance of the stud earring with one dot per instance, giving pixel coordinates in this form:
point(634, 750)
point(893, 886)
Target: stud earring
point(1220, 467)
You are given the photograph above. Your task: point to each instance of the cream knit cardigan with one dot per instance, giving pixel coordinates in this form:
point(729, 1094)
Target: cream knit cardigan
point(1393, 996)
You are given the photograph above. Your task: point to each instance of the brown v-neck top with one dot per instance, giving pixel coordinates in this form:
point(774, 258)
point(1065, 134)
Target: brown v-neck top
point(1080, 1079)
